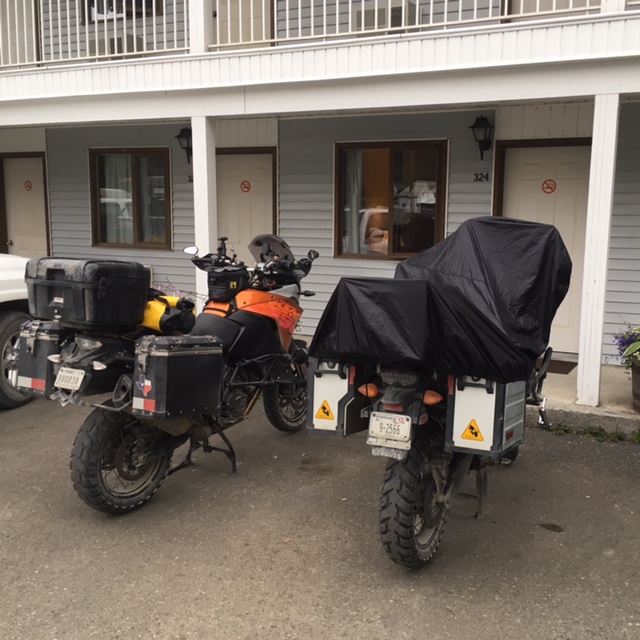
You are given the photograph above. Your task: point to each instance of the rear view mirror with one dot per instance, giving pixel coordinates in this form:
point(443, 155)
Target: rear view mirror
point(312, 255)
point(192, 251)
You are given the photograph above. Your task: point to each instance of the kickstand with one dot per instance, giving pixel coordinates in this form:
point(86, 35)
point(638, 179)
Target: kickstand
point(481, 489)
point(194, 446)
point(229, 451)
point(205, 446)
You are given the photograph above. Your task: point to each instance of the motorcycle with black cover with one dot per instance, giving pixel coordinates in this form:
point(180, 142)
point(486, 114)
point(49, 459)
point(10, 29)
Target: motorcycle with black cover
point(438, 365)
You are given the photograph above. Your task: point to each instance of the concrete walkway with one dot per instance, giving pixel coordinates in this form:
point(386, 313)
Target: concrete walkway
point(615, 412)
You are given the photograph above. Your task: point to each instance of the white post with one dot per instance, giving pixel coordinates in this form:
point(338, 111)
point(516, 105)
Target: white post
point(201, 22)
point(601, 182)
point(205, 210)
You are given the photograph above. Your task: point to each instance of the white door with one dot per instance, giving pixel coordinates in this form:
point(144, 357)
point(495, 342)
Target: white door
point(25, 207)
point(550, 185)
point(245, 199)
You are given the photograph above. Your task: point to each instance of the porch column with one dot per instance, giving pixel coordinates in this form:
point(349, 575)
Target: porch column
point(201, 24)
point(205, 211)
point(601, 182)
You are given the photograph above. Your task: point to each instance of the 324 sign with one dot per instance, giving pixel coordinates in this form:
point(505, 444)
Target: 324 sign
point(481, 177)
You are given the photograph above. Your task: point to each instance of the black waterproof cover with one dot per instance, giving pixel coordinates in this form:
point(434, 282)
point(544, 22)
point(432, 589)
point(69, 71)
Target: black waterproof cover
point(480, 303)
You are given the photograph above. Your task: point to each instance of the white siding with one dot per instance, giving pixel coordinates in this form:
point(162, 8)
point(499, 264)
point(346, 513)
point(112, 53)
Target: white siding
point(623, 282)
point(70, 206)
point(532, 122)
point(246, 133)
point(306, 187)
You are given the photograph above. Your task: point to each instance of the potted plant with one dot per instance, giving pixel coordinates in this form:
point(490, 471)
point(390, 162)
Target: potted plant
point(628, 343)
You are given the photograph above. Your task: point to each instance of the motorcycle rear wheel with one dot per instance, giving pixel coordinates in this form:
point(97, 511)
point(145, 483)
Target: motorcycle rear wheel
point(115, 464)
point(412, 521)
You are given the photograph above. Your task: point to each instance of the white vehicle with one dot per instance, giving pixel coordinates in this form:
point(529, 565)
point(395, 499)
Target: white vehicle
point(13, 312)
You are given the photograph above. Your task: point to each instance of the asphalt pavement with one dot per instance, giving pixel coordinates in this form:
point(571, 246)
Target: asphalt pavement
point(289, 548)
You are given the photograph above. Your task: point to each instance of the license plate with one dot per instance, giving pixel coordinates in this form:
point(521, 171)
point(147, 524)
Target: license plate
point(390, 429)
point(69, 379)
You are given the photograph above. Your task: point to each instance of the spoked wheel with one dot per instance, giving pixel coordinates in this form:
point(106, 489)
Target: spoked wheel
point(286, 406)
point(412, 513)
point(118, 463)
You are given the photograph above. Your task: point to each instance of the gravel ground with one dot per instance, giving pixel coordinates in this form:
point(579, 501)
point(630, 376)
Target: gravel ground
point(289, 547)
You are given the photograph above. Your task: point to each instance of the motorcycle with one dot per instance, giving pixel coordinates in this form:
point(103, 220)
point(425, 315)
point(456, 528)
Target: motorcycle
point(411, 421)
point(438, 365)
point(173, 387)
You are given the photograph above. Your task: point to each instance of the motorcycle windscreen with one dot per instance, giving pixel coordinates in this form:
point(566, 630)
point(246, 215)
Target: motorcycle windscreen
point(265, 247)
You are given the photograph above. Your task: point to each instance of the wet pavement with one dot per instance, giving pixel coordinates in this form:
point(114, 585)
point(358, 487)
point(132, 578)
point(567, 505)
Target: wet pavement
point(289, 547)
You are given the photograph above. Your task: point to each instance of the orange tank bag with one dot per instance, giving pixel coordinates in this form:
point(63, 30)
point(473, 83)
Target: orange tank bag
point(284, 311)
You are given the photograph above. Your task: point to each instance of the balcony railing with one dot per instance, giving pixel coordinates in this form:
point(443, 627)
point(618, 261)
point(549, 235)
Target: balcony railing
point(244, 23)
point(52, 31)
point(66, 30)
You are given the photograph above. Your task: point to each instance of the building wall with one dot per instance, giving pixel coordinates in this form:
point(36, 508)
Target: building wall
point(623, 281)
point(306, 187)
point(69, 190)
point(22, 140)
point(534, 122)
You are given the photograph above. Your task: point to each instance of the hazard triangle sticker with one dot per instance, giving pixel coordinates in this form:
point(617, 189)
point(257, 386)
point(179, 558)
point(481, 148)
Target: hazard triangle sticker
point(472, 432)
point(324, 412)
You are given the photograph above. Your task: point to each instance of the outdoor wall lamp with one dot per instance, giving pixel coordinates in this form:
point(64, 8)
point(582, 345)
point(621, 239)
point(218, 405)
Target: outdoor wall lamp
point(184, 138)
point(482, 131)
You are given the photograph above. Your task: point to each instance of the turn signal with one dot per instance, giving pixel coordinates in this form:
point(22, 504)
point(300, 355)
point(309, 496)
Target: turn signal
point(431, 397)
point(369, 390)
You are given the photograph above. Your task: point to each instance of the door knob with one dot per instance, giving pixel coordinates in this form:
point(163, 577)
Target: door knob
point(10, 243)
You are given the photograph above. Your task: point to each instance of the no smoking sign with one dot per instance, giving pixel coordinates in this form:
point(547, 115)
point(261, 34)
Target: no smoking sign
point(245, 185)
point(549, 186)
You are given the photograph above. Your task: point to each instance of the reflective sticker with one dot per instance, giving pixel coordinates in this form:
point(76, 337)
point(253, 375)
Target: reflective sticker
point(324, 412)
point(472, 432)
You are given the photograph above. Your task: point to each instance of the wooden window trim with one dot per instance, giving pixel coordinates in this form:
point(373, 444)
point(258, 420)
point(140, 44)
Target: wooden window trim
point(135, 152)
point(441, 146)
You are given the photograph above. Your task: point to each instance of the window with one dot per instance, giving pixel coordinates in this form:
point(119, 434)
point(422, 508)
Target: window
point(389, 198)
point(130, 198)
point(110, 9)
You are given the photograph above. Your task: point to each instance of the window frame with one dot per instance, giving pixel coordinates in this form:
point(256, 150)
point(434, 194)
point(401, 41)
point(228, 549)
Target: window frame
point(441, 146)
point(131, 12)
point(136, 153)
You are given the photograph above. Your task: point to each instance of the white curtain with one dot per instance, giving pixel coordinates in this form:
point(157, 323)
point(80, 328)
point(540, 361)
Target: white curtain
point(353, 201)
point(116, 201)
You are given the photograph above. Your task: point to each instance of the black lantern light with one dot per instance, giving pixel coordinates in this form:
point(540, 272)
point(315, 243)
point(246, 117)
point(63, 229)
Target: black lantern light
point(482, 131)
point(184, 138)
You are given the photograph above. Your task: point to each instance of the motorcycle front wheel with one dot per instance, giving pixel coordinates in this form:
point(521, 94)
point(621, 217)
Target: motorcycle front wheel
point(286, 406)
point(118, 463)
point(412, 518)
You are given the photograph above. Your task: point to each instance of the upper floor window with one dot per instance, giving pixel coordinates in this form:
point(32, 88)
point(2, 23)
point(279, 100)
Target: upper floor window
point(130, 198)
point(110, 9)
point(390, 197)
